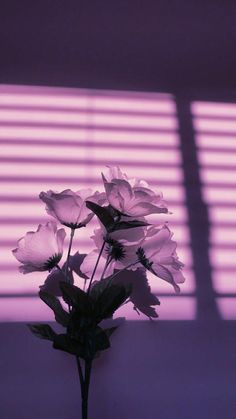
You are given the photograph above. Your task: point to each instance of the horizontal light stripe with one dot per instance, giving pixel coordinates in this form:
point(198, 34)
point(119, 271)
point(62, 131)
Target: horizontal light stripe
point(159, 286)
point(24, 310)
point(213, 109)
point(222, 216)
point(81, 174)
point(89, 134)
point(59, 97)
point(222, 257)
point(79, 154)
point(227, 308)
point(10, 234)
point(44, 100)
point(224, 282)
point(174, 195)
point(226, 178)
point(171, 308)
point(33, 309)
point(219, 195)
point(14, 282)
point(30, 309)
point(36, 210)
point(223, 236)
point(221, 142)
point(52, 138)
point(217, 158)
point(156, 103)
point(76, 118)
point(208, 125)
point(6, 256)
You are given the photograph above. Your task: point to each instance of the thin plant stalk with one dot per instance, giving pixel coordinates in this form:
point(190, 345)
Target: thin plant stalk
point(80, 372)
point(108, 261)
point(85, 393)
point(84, 385)
point(72, 232)
point(95, 267)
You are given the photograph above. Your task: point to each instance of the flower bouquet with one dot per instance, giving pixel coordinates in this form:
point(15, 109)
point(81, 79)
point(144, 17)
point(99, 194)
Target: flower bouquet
point(111, 275)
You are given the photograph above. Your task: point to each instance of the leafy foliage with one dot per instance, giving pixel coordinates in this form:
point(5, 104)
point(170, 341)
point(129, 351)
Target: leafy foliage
point(125, 225)
point(102, 213)
point(84, 337)
point(110, 298)
point(141, 296)
point(42, 331)
point(76, 298)
point(53, 302)
point(110, 223)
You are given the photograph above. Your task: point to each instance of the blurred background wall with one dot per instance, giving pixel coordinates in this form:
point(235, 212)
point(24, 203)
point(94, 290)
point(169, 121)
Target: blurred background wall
point(149, 86)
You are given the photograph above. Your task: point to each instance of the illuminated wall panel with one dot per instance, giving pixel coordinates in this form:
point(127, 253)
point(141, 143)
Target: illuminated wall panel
point(215, 133)
point(56, 138)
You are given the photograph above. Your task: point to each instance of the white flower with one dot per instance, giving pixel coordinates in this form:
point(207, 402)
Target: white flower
point(121, 244)
point(69, 207)
point(157, 253)
point(40, 250)
point(134, 197)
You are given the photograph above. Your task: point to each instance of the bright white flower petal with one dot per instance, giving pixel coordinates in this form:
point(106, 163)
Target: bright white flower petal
point(158, 254)
point(40, 250)
point(69, 207)
point(131, 197)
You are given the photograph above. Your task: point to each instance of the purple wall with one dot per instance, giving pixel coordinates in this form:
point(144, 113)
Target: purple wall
point(182, 369)
point(154, 370)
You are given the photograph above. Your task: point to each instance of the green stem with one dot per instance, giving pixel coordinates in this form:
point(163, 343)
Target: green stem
point(80, 372)
point(72, 232)
point(108, 261)
point(96, 265)
point(85, 391)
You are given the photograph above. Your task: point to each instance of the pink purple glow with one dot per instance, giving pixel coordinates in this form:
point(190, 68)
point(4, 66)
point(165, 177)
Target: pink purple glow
point(173, 308)
point(215, 125)
point(213, 109)
point(33, 309)
point(211, 141)
point(53, 138)
point(215, 139)
point(227, 308)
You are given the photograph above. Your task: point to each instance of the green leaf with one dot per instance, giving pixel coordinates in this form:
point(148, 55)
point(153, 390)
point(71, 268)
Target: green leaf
point(61, 316)
point(141, 296)
point(101, 340)
point(110, 330)
point(42, 331)
point(102, 213)
point(111, 298)
point(76, 298)
point(97, 288)
point(67, 344)
point(80, 324)
point(124, 225)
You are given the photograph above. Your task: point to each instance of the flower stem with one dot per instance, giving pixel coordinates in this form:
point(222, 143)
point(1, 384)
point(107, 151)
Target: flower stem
point(85, 393)
point(108, 261)
point(80, 372)
point(72, 232)
point(96, 265)
point(84, 385)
